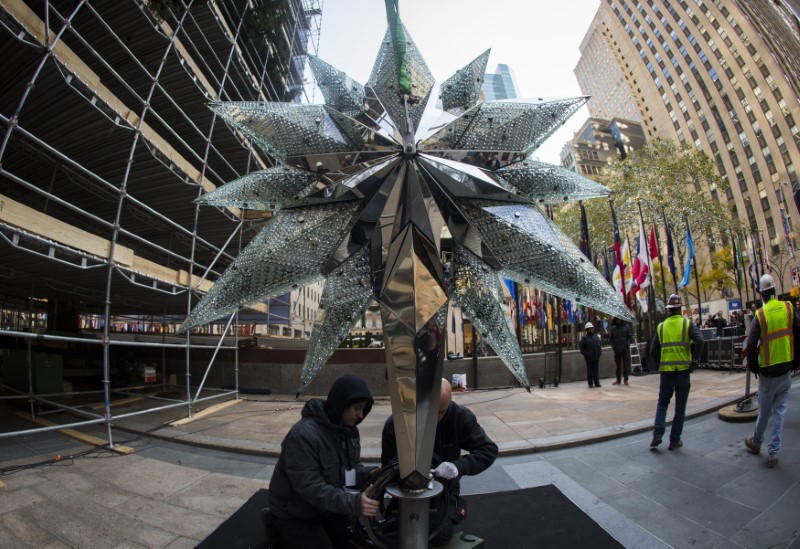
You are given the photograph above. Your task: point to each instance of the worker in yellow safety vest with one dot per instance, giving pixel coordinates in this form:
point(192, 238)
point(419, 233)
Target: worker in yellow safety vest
point(771, 356)
point(675, 349)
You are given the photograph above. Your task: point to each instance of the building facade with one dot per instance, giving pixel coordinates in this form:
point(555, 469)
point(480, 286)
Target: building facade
point(721, 76)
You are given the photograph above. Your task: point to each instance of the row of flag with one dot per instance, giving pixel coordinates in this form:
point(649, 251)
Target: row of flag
point(632, 274)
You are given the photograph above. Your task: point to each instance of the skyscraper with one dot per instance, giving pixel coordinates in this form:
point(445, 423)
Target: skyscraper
point(499, 85)
point(721, 76)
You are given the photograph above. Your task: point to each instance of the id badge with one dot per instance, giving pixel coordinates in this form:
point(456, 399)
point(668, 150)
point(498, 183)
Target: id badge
point(349, 477)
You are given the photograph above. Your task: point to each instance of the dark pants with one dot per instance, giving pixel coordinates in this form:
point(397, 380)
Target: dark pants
point(593, 372)
point(327, 532)
point(678, 383)
point(623, 362)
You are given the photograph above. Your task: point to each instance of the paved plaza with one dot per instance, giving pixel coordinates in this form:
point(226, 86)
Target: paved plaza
point(182, 481)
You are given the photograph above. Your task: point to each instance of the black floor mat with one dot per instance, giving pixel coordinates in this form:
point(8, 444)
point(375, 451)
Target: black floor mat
point(539, 517)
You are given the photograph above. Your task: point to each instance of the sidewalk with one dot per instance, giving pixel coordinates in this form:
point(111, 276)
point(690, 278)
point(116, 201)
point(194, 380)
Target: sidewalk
point(712, 493)
point(519, 422)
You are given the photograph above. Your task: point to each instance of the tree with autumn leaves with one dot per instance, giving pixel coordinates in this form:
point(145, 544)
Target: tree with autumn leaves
point(669, 182)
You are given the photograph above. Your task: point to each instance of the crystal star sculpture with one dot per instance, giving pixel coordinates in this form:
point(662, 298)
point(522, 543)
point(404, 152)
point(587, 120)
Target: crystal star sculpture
point(364, 201)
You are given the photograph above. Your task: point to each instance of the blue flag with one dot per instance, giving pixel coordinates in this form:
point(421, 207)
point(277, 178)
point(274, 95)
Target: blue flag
point(690, 253)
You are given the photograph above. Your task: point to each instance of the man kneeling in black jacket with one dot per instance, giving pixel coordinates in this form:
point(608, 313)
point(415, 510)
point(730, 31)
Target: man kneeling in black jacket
point(457, 430)
point(316, 482)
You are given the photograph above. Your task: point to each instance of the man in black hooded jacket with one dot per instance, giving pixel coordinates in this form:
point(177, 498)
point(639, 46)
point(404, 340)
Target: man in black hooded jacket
point(315, 485)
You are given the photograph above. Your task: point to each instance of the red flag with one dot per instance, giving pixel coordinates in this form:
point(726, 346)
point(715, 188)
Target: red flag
point(654, 254)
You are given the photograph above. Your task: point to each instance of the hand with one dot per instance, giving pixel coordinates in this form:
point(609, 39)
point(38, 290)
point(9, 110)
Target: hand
point(369, 506)
point(446, 470)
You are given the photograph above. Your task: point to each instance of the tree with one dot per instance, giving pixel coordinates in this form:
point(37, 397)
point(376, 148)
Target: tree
point(666, 180)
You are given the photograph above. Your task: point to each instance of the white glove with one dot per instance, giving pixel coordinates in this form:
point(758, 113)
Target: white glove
point(446, 470)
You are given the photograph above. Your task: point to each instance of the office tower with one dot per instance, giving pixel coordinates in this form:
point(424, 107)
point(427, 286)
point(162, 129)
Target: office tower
point(721, 76)
point(499, 85)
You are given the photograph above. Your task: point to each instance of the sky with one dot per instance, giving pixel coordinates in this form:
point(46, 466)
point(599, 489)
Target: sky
point(539, 40)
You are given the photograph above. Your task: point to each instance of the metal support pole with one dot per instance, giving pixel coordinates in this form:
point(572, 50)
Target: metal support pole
point(414, 513)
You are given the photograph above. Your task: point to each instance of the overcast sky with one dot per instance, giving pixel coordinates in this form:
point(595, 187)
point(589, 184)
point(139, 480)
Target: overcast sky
point(539, 40)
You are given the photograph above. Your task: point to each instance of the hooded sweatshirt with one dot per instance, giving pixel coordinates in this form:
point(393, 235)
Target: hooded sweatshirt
point(309, 478)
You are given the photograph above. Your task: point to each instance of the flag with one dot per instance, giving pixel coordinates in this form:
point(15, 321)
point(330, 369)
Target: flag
point(670, 252)
point(754, 264)
point(584, 242)
point(737, 262)
point(606, 273)
point(765, 266)
point(654, 252)
point(617, 253)
point(626, 261)
point(690, 253)
point(787, 232)
point(453, 325)
point(641, 263)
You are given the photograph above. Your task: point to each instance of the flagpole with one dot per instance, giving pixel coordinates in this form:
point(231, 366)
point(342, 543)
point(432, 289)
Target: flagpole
point(697, 283)
point(661, 265)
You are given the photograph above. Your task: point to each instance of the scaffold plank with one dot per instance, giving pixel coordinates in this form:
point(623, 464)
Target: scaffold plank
point(77, 435)
point(204, 413)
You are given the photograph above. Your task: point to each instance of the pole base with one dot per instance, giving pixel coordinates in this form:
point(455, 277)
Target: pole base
point(414, 513)
point(746, 405)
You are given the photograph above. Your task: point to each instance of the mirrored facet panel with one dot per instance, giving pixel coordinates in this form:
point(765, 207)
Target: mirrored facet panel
point(534, 251)
point(476, 289)
point(288, 129)
point(503, 126)
point(266, 189)
point(462, 180)
point(384, 83)
point(288, 252)
point(462, 91)
point(341, 92)
point(550, 184)
point(347, 294)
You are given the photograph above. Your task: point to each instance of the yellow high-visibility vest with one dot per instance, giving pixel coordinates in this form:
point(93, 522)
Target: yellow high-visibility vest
point(777, 344)
point(676, 347)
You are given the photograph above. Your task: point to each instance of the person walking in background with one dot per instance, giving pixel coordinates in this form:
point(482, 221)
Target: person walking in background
point(620, 338)
point(591, 349)
point(771, 356)
point(674, 349)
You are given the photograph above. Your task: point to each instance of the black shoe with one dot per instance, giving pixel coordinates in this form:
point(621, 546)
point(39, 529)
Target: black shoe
point(675, 444)
point(598, 385)
point(656, 441)
point(591, 386)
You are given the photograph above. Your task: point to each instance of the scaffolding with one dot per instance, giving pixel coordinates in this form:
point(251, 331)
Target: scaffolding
point(107, 143)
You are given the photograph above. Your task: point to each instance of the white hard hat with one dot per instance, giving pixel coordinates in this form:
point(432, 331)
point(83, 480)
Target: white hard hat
point(766, 283)
point(674, 302)
point(589, 325)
